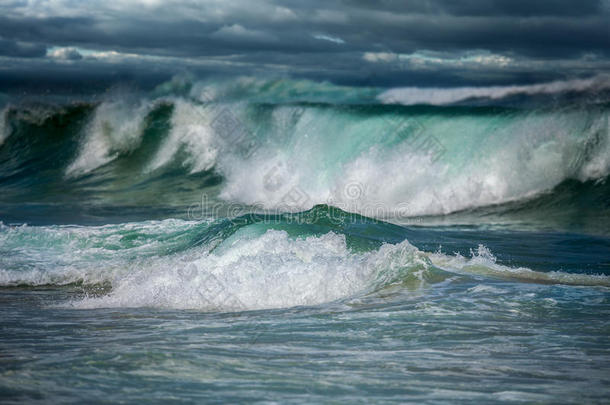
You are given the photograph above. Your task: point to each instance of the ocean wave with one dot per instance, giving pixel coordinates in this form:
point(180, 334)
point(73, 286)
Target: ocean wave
point(378, 160)
point(245, 264)
point(190, 133)
point(483, 262)
point(115, 128)
point(420, 163)
point(62, 255)
point(268, 271)
point(444, 96)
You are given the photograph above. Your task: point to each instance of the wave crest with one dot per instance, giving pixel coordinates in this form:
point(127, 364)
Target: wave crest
point(443, 96)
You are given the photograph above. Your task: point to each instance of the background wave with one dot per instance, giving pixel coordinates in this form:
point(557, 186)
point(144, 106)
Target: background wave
point(289, 145)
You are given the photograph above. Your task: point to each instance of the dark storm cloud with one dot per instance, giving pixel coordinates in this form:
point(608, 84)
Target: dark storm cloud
point(520, 8)
point(21, 49)
point(524, 8)
point(533, 37)
point(318, 38)
point(179, 38)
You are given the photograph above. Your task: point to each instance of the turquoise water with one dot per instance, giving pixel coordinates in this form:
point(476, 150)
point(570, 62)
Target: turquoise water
point(327, 248)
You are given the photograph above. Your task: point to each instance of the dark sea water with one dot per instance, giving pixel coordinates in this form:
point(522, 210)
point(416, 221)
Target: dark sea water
point(298, 242)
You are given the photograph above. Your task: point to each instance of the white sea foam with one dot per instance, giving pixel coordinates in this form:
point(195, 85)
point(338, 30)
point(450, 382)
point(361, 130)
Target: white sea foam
point(268, 271)
point(481, 161)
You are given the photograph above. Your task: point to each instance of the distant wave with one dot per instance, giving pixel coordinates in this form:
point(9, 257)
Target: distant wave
point(443, 96)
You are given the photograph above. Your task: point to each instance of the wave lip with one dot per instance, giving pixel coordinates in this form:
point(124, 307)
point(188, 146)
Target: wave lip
point(114, 129)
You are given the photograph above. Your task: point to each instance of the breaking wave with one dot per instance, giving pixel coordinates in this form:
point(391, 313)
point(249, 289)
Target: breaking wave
point(309, 258)
point(288, 146)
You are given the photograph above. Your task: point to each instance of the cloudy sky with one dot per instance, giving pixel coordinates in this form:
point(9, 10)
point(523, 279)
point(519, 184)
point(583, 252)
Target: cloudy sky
point(384, 42)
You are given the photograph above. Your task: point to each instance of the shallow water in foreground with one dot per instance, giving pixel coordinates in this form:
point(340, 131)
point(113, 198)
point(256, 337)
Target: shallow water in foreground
point(462, 341)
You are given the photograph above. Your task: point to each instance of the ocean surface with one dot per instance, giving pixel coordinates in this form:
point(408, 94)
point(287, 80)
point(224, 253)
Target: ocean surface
point(286, 241)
